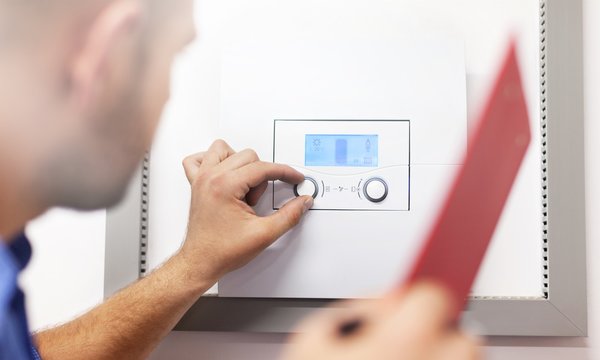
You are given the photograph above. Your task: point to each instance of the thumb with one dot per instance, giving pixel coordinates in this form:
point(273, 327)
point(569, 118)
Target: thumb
point(288, 216)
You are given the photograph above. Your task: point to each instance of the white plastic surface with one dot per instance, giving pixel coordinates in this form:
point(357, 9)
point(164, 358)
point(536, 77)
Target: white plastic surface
point(513, 266)
point(347, 87)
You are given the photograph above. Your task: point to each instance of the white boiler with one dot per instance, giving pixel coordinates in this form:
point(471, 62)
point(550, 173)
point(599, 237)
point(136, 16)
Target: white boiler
point(377, 127)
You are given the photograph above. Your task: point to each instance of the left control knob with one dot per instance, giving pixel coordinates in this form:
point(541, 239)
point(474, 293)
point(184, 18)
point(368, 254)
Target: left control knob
point(308, 187)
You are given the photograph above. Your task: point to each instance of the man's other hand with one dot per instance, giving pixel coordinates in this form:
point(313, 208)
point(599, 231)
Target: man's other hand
point(224, 232)
point(414, 325)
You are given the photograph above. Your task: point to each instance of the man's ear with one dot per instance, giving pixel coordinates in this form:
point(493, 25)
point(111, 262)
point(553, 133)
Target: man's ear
point(116, 23)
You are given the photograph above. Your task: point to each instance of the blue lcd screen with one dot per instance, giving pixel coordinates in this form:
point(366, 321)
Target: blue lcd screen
point(341, 150)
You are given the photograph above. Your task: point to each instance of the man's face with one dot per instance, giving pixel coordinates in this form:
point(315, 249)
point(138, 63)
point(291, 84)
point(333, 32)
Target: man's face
point(97, 151)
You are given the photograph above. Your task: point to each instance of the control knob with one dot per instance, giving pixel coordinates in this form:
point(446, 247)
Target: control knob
point(375, 190)
point(308, 187)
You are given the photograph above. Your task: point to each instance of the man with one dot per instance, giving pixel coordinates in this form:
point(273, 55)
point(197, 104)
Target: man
point(83, 84)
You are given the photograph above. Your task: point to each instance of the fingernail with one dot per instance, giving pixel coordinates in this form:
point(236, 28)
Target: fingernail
point(308, 203)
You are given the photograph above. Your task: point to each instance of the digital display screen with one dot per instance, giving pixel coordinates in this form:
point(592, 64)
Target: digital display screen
point(341, 150)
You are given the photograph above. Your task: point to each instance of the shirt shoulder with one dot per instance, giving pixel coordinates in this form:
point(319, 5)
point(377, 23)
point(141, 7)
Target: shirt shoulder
point(15, 340)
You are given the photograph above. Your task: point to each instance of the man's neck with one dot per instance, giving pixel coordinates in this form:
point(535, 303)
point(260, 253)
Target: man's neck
point(15, 211)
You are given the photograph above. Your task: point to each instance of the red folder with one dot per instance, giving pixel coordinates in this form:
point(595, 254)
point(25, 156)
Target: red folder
point(458, 241)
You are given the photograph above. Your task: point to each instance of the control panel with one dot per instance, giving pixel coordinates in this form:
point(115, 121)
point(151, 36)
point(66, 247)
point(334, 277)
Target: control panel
point(348, 164)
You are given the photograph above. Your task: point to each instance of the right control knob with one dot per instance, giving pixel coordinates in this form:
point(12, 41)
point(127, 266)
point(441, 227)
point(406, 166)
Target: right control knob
point(375, 190)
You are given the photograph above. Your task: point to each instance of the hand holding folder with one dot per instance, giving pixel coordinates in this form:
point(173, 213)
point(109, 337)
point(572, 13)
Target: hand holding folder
point(418, 319)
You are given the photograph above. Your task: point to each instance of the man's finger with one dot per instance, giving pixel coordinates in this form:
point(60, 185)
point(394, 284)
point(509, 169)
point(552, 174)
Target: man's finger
point(191, 164)
point(457, 346)
point(239, 160)
point(255, 194)
point(259, 172)
point(286, 218)
point(325, 324)
point(427, 308)
point(218, 152)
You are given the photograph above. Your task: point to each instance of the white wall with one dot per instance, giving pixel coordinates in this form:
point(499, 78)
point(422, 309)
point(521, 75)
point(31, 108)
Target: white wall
point(66, 275)
point(592, 116)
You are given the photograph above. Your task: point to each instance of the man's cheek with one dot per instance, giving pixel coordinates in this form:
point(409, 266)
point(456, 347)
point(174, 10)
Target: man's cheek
point(156, 100)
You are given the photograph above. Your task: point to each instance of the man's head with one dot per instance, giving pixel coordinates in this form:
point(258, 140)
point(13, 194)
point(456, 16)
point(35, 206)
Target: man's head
point(83, 86)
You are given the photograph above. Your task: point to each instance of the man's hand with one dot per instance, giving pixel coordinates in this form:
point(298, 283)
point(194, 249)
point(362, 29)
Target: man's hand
point(412, 326)
point(224, 232)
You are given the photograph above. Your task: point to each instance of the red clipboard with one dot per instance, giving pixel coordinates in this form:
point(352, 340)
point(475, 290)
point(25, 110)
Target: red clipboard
point(458, 241)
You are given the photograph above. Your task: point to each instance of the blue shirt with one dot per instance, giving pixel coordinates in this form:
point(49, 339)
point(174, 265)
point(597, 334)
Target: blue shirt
point(15, 340)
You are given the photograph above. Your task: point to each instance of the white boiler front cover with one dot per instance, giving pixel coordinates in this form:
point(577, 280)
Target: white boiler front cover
point(378, 128)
